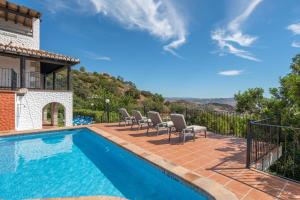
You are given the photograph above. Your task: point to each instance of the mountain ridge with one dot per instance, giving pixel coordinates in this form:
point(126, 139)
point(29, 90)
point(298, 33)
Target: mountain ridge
point(229, 101)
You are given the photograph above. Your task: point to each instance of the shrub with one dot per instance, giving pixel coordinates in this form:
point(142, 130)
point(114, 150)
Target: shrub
point(134, 93)
point(97, 115)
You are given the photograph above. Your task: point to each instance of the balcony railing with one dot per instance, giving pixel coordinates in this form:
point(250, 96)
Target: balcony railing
point(11, 80)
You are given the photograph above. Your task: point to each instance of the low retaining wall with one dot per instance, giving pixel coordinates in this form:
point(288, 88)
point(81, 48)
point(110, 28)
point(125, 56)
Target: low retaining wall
point(267, 160)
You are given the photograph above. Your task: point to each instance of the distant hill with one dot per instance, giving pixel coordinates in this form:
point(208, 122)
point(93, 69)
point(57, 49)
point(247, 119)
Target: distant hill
point(227, 101)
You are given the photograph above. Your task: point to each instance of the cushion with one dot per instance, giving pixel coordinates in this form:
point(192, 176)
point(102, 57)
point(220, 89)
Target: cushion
point(169, 124)
point(197, 128)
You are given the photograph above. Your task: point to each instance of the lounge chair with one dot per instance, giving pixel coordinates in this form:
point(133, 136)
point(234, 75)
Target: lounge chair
point(183, 129)
point(158, 123)
point(139, 119)
point(125, 117)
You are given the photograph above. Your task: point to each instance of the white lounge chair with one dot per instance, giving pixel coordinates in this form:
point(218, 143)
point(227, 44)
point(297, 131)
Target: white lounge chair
point(125, 117)
point(139, 119)
point(184, 130)
point(158, 123)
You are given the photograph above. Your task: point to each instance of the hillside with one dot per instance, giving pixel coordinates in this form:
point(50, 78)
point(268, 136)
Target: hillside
point(92, 88)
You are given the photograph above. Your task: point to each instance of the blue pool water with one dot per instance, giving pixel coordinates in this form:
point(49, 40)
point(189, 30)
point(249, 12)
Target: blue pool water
point(80, 163)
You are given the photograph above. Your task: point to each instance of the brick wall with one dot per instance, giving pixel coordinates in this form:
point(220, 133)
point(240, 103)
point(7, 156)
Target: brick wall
point(7, 110)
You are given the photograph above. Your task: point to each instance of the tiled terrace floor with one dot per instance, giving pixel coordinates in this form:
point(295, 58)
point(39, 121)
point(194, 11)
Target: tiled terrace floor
point(217, 157)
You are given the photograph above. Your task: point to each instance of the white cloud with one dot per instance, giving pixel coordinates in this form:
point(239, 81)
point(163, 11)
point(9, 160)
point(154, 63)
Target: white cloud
point(231, 73)
point(158, 17)
point(94, 56)
point(231, 38)
point(295, 28)
point(295, 44)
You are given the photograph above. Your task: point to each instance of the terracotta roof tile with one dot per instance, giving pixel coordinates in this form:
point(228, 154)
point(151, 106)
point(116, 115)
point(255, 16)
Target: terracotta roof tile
point(37, 53)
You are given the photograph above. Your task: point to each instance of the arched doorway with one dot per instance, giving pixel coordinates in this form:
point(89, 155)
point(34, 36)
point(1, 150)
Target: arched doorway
point(54, 115)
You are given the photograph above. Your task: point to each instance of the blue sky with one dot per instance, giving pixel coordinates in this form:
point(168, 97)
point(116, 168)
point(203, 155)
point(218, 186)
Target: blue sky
point(178, 48)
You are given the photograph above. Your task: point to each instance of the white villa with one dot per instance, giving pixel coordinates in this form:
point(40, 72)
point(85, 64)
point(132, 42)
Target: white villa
point(32, 81)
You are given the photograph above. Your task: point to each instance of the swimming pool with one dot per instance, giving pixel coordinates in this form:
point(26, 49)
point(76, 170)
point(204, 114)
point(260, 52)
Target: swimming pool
point(81, 163)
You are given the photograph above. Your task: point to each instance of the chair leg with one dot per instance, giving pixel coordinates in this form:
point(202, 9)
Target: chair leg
point(194, 136)
point(205, 133)
point(157, 131)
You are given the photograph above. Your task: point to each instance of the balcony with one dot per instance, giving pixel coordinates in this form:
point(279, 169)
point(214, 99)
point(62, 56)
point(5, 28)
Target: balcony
point(10, 80)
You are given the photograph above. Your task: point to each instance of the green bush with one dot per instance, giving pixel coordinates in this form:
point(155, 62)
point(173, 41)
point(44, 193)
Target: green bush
point(97, 115)
point(133, 92)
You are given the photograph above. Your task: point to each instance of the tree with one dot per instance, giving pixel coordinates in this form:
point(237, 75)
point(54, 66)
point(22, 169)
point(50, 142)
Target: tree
point(250, 101)
point(288, 94)
point(82, 69)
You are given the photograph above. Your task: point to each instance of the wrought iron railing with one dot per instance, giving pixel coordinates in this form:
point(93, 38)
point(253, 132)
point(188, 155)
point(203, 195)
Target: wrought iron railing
point(224, 123)
point(274, 148)
point(34, 80)
point(9, 79)
point(220, 122)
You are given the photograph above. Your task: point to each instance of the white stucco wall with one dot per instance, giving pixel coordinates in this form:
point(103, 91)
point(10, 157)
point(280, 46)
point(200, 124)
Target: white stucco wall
point(20, 39)
point(29, 108)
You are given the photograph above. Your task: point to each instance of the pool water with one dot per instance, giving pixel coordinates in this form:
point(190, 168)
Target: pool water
point(80, 163)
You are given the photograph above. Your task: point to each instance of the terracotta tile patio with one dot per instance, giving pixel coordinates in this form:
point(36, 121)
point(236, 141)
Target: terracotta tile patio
point(216, 157)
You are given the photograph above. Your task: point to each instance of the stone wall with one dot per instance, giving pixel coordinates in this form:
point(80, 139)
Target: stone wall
point(29, 113)
point(7, 111)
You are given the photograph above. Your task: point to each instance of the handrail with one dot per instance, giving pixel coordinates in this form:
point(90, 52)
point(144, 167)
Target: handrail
point(272, 125)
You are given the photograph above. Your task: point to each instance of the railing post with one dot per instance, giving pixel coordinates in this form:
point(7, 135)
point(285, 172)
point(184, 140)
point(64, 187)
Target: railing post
point(53, 80)
point(186, 111)
point(69, 78)
point(13, 80)
point(108, 113)
point(249, 143)
point(22, 72)
point(44, 81)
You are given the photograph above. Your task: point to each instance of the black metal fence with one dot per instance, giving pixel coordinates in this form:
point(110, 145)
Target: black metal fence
point(224, 123)
point(274, 148)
